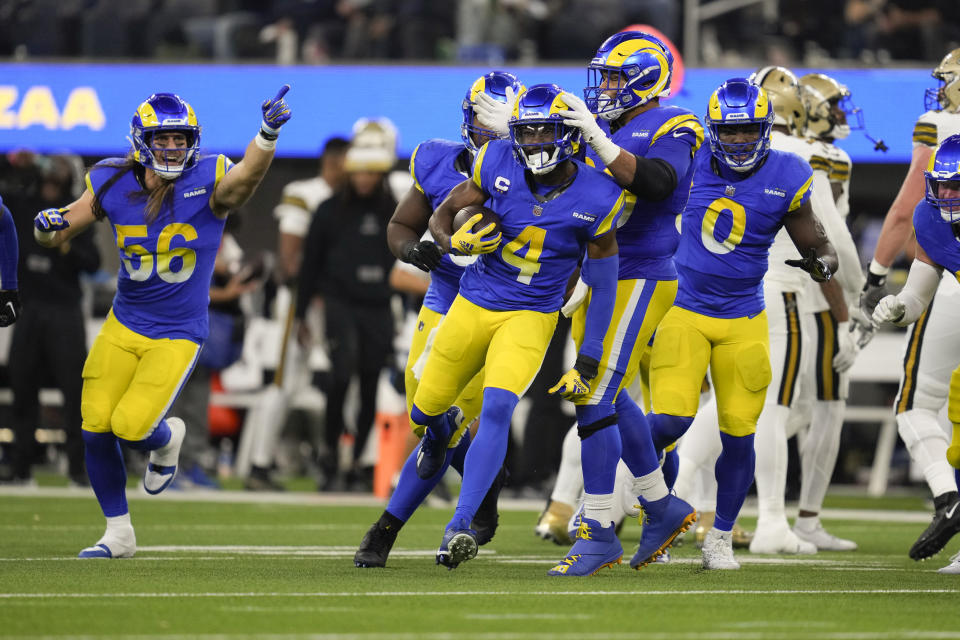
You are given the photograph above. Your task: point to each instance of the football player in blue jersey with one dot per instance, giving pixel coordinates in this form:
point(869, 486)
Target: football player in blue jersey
point(743, 192)
point(936, 222)
point(648, 148)
point(167, 206)
point(552, 207)
point(9, 255)
point(437, 166)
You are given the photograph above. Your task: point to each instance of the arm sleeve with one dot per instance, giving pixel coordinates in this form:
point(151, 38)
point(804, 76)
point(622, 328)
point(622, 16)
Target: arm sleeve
point(922, 283)
point(601, 276)
point(9, 251)
point(849, 274)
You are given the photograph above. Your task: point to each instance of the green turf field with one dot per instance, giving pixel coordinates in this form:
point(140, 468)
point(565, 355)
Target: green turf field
point(271, 569)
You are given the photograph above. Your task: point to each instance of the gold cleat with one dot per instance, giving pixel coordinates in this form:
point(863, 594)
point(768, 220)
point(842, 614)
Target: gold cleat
point(740, 536)
point(553, 523)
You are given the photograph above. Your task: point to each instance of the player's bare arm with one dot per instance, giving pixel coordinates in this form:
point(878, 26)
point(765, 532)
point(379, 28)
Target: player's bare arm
point(406, 228)
point(898, 225)
point(465, 194)
point(811, 240)
point(73, 218)
point(236, 187)
point(603, 247)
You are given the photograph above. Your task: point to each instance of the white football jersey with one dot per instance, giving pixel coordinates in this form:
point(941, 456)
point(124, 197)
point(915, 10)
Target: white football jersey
point(298, 202)
point(933, 127)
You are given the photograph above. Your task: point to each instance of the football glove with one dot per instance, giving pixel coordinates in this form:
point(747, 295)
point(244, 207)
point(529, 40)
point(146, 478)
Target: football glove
point(9, 307)
point(493, 114)
point(424, 255)
point(847, 348)
point(575, 383)
point(276, 112)
point(579, 116)
point(889, 309)
point(469, 243)
point(51, 220)
point(874, 289)
point(813, 265)
point(862, 330)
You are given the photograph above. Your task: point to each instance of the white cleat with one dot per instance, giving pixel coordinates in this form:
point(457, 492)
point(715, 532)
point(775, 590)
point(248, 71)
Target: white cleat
point(115, 543)
point(953, 568)
point(779, 539)
point(718, 551)
point(162, 468)
point(822, 540)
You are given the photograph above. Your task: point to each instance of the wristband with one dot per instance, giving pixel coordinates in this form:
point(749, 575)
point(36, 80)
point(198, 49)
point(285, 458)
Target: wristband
point(587, 367)
point(265, 143)
point(606, 149)
point(877, 269)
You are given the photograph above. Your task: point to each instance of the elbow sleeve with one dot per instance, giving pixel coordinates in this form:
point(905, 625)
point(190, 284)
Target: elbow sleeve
point(654, 179)
point(922, 283)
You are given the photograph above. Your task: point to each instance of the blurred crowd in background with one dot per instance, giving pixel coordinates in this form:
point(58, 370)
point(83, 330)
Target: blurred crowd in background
point(486, 31)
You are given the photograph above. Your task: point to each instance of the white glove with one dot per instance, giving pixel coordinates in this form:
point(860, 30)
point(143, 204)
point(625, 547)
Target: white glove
point(862, 328)
point(847, 348)
point(579, 116)
point(493, 114)
point(889, 309)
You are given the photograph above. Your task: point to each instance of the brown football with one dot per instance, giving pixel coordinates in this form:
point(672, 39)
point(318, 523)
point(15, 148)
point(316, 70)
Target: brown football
point(489, 216)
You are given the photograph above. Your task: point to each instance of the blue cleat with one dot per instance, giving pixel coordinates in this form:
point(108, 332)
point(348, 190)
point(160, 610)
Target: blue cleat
point(433, 447)
point(596, 547)
point(661, 529)
point(459, 545)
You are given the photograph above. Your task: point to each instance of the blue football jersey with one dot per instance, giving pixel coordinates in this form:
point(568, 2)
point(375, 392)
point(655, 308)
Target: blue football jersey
point(433, 166)
point(543, 240)
point(163, 288)
point(937, 237)
point(727, 229)
point(648, 239)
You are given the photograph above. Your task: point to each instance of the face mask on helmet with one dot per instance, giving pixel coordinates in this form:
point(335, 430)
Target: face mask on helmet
point(739, 119)
point(540, 139)
point(943, 179)
point(494, 84)
point(629, 70)
point(155, 132)
point(946, 95)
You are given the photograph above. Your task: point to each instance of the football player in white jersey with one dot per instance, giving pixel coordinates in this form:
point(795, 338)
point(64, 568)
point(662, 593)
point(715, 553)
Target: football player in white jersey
point(824, 383)
point(298, 201)
point(932, 350)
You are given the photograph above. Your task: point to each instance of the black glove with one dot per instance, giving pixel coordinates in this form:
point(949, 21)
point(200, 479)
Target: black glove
point(813, 265)
point(874, 290)
point(9, 307)
point(424, 255)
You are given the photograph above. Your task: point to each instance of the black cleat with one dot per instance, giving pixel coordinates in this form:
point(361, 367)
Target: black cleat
point(376, 545)
point(946, 524)
point(486, 518)
point(260, 479)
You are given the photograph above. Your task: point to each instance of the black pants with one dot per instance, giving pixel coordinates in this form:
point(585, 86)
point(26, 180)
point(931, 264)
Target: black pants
point(49, 346)
point(361, 342)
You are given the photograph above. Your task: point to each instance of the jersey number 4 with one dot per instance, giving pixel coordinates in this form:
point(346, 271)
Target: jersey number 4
point(164, 255)
point(528, 263)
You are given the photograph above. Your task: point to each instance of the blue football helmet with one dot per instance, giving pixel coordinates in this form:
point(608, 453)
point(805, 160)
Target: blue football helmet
point(164, 112)
point(541, 140)
point(494, 84)
point(944, 168)
point(740, 104)
point(635, 63)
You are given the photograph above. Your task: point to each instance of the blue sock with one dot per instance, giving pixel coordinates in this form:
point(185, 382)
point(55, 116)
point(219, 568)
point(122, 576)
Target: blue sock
point(667, 429)
point(460, 453)
point(956, 474)
point(159, 437)
point(671, 466)
point(436, 424)
point(411, 489)
point(485, 456)
point(734, 473)
point(107, 473)
point(600, 451)
point(638, 452)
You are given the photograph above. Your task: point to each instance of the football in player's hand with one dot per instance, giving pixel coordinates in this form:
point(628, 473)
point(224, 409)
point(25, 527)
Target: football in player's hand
point(489, 217)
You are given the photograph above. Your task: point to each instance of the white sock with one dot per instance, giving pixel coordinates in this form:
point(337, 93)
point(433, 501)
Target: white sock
point(927, 443)
point(651, 486)
point(818, 454)
point(599, 507)
point(119, 524)
point(569, 484)
point(770, 445)
point(807, 523)
point(706, 499)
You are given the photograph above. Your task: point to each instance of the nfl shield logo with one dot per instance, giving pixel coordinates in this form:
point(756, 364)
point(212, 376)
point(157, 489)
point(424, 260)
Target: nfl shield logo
point(537, 209)
point(729, 190)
